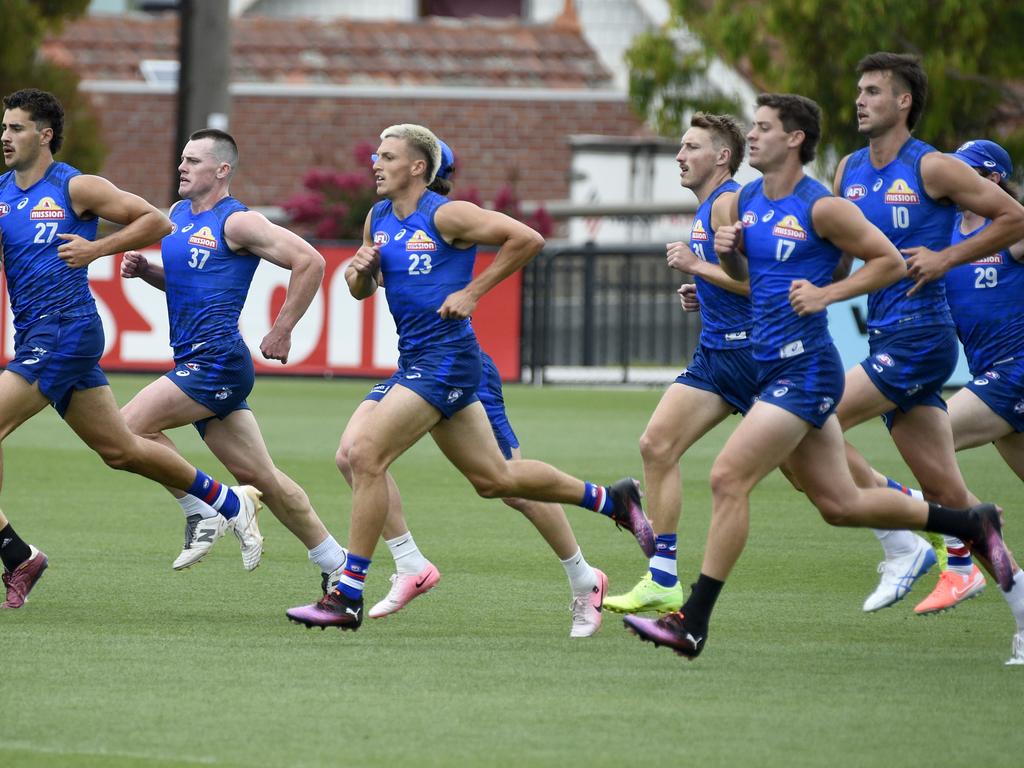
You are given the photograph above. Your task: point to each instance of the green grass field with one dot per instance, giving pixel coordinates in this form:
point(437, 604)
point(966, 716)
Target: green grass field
point(118, 661)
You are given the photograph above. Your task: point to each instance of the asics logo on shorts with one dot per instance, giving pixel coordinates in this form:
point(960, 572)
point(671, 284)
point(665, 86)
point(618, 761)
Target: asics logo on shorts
point(454, 395)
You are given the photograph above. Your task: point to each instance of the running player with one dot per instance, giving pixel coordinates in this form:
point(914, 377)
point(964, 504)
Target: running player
point(423, 247)
point(722, 377)
point(208, 262)
point(49, 214)
point(793, 233)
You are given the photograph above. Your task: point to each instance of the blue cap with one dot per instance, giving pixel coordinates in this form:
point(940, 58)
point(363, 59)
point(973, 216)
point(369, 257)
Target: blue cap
point(447, 161)
point(982, 153)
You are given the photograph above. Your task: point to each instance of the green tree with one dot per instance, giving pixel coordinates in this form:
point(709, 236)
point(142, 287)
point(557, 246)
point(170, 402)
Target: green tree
point(812, 47)
point(23, 25)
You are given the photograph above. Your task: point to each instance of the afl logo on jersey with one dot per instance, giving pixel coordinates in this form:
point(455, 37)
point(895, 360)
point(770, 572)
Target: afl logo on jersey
point(855, 192)
point(698, 232)
point(749, 219)
point(790, 229)
point(420, 241)
point(46, 209)
point(900, 193)
point(203, 237)
point(4, 209)
point(381, 238)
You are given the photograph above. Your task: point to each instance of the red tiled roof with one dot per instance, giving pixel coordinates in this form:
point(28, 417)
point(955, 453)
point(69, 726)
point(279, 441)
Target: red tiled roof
point(472, 52)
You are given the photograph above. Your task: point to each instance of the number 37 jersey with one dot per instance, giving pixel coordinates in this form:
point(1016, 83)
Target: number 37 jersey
point(206, 282)
point(420, 270)
point(38, 282)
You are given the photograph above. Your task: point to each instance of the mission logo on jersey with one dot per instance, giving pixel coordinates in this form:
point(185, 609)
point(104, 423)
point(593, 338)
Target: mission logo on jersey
point(997, 259)
point(46, 208)
point(420, 241)
point(900, 193)
point(203, 237)
point(790, 229)
point(698, 232)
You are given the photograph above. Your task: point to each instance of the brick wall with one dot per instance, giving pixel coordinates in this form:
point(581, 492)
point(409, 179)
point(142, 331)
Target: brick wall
point(281, 138)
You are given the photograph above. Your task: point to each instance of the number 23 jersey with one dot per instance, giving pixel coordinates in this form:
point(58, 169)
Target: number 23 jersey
point(420, 270)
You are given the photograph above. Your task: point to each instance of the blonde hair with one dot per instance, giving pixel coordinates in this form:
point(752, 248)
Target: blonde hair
point(422, 140)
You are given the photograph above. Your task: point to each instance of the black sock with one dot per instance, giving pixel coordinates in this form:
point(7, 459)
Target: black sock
point(701, 602)
point(962, 523)
point(13, 551)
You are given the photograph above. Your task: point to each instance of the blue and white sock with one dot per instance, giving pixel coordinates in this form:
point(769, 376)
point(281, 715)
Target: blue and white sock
point(217, 495)
point(663, 564)
point(597, 498)
point(353, 577)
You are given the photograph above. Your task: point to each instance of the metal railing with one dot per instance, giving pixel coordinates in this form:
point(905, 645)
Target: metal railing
point(604, 306)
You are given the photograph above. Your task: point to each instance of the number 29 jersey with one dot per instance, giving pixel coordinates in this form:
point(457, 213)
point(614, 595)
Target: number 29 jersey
point(420, 270)
point(38, 282)
point(987, 301)
point(205, 281)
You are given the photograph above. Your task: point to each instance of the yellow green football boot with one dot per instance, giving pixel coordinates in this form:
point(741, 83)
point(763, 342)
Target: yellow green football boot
point(647, 595)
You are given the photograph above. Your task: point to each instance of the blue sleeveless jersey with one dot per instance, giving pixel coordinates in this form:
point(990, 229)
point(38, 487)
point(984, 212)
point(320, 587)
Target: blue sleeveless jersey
point(38, 282)
point(725, 316)
point(893, 199)
point(206, 282)
point(420, 270)
point(986, 298)
point(782, 246)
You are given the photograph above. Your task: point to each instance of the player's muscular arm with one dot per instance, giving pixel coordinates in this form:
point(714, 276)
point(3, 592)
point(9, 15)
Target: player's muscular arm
point(729, 240)
point(252, 232)
point(842, 223)
point(846, 260)
point(463, 224)
point(947, 177)
point(680, 256)
point(363, 273)
point(142, 224)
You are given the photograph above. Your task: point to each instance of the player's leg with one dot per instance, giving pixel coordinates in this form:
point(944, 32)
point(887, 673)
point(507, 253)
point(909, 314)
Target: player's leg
point(683, 415)
point(23, 564)
point(237, 441)
point(762, 440)
point(414, 574)
point(906, 553)
point(588, 584)
point(159, 406)
point(398, 421)
point(468, 441)
point(924, 438)
point(94, 416)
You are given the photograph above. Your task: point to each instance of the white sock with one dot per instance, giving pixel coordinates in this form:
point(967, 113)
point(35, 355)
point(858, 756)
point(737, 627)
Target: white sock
point(408, 558)
point(1015, 599)
point(582, 578)
point(190, 505)
point(897, 543)
point(328, 555)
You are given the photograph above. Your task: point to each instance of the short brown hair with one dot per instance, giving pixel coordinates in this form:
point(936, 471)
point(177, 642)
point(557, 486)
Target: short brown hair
point(724, 130)
point(797, 113)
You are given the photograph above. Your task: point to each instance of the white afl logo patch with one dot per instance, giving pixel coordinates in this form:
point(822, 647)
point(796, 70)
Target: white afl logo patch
point(381, 238)
point(4, 209)
point(749, 219)
point(855, 192)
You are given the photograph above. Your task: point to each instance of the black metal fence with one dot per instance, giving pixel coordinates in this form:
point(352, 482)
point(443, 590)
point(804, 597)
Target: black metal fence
point(604, 306)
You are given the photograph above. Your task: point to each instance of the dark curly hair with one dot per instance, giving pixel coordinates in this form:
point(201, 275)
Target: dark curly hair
point(43, 109)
